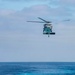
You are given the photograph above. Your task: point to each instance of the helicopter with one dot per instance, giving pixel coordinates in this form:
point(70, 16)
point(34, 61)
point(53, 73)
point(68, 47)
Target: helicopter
point(47, 27)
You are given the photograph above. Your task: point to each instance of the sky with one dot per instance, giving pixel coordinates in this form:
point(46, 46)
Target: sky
point(21, 41)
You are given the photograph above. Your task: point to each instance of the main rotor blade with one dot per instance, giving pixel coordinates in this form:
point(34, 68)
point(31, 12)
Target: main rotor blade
point(62, 21)
point(67, 20)
point(44, 20)
point(36, 21)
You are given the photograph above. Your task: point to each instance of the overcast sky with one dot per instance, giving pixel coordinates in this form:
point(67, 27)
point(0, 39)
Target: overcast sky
point(22, 41)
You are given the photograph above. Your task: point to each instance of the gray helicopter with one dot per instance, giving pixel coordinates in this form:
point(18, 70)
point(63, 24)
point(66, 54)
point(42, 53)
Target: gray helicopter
point(47, 27)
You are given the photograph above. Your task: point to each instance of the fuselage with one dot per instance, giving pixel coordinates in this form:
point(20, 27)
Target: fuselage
point(47, 28)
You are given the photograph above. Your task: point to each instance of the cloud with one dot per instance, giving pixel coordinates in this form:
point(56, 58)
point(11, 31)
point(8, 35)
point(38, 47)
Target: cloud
point(17, 19)
point(14, 0)
point(24, 0)
point(68, 1)
point(62, 3)
point(19, 37)
point(6, 12)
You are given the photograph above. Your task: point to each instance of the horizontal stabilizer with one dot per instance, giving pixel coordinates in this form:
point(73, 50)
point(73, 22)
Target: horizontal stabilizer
point(52, 33)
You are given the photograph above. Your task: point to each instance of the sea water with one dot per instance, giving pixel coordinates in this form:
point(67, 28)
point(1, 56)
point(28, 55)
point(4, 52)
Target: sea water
point(37, 68)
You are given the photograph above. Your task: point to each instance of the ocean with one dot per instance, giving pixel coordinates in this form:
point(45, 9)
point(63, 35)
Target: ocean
point(37, 68)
